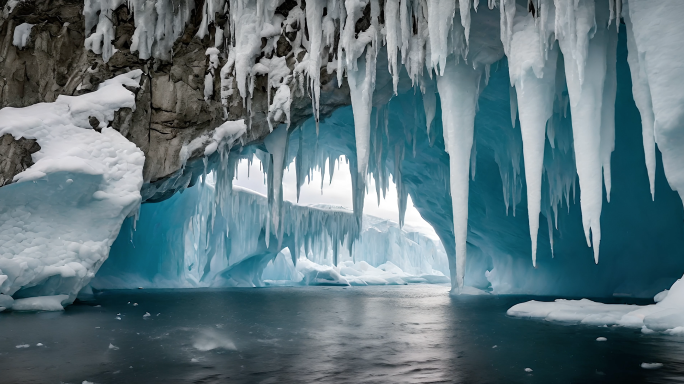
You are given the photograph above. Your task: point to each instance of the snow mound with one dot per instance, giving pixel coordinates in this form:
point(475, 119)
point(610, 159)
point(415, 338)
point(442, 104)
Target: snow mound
point(61, 215)
point(41, 303)
point(667, 315)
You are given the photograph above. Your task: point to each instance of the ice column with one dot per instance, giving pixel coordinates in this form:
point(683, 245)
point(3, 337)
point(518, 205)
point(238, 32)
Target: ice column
point(459, 89)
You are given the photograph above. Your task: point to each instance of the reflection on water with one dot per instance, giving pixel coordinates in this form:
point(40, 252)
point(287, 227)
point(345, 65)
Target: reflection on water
point(405, 334)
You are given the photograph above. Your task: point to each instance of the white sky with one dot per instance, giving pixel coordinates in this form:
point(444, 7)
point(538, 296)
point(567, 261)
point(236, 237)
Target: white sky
point(338, 192)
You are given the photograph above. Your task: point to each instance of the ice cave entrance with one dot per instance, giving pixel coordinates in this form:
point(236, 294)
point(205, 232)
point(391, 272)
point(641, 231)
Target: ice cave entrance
point(189, 248)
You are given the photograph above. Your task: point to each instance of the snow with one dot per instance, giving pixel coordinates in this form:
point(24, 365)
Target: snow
point(21, 35)
point(41, 303)
point(666, 315)
point(61, 215)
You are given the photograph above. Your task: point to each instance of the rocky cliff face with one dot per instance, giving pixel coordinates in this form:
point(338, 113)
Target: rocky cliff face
point(171, 107)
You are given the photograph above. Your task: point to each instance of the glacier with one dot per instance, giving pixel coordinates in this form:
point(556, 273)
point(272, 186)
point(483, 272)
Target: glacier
point(494, 118)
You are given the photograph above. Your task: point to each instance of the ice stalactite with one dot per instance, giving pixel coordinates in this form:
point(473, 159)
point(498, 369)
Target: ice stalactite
point(158, 24)
point(392, 35)
point(642, 98)
point(608, 109)
point(658, 35)
point(361, 79)
point(585, 72)
point(440, 21)
point(533, 72)
point(99, 13)
point(314, 16)
point(276, 144)
point(459, 90)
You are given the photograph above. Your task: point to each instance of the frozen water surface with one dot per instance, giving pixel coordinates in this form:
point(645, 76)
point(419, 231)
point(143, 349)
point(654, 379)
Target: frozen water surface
point(408, 334)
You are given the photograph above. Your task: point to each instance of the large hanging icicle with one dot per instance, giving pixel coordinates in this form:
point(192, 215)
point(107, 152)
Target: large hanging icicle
point(361, 79)
point(276, 145)
point(314, 16)
point(459, 90)
point(533, 72)
point(585, 72)
point(642, 98)
point(658, 35)
point(608, 109)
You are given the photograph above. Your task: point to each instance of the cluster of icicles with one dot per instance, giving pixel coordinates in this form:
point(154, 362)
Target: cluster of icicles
point(560, 53)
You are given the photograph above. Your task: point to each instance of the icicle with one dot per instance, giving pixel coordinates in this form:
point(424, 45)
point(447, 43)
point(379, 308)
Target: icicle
point(402, 193)
point(276, 145)
point(458, 89)
point(514, 104)
point(642, 98)
point(299, 173)
point(608, 109)
point(464, 11)
point(429, 104)
point(392, 29)
point(534, 78)
point(574, 24)
point(314, 15)
point(441, 18)
point(361, 85)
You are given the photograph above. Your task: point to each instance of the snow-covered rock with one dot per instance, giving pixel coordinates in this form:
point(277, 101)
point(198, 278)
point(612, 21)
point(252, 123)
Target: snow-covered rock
point(60, 216)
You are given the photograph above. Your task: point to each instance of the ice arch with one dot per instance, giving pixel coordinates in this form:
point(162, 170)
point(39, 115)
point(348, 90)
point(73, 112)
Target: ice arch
point(642, 244)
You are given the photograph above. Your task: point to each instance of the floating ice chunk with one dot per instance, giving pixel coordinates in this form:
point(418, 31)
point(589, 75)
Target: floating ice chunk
point(39, 345)
point(113, 347)
point(21, 35)
point(22, 346)
point(6, 301)
point(194, 360)
point(651, 365)
point(146, 315)
point(135, 304)
point(118, 318)
point(41, 303)
point(528, 370)
point(601, 339)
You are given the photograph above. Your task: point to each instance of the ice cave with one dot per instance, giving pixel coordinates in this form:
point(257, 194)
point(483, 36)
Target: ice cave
point(190, 191)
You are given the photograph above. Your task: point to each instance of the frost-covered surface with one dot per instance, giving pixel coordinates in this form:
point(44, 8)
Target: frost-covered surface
point(60, 216)
point(666, 315)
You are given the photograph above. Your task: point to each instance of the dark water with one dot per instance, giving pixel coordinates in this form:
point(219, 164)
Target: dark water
point(333, 335)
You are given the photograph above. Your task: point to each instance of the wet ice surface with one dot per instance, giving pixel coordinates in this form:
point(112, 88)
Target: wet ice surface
point(404, 334)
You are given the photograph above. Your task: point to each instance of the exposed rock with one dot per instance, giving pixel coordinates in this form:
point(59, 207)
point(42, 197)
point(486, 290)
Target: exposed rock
point(171, 109)
point(15, 156)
